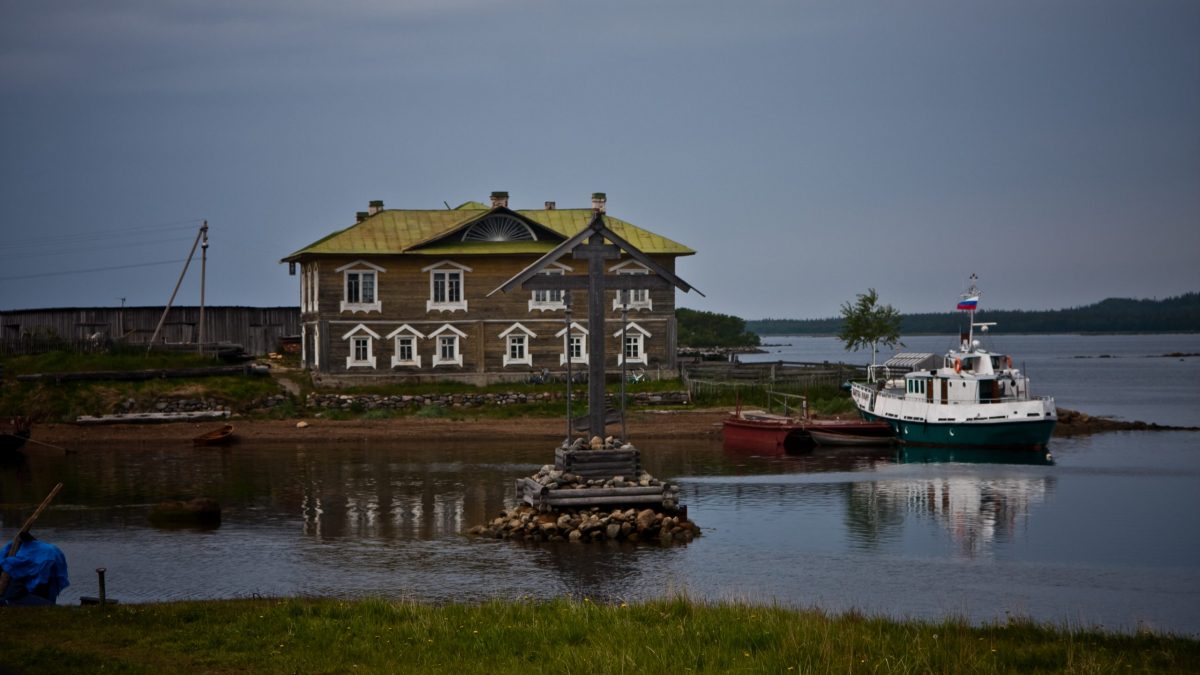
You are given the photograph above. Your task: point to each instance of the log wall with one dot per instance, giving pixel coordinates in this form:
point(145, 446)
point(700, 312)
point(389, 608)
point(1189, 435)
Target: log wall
point(403, 291)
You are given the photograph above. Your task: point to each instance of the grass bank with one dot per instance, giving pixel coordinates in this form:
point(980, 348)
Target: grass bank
point(669, 636)
point(48, 401)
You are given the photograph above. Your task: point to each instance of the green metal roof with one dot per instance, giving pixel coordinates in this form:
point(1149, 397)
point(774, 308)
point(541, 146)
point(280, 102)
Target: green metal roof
point(431, 233)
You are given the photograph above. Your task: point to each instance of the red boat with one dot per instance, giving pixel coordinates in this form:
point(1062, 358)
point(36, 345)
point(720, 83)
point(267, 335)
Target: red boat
point(766, 433)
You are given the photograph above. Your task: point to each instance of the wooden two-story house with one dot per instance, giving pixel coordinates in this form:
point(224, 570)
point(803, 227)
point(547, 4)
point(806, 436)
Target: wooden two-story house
point(403, 295)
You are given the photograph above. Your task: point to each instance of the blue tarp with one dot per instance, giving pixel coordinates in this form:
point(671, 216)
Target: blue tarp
point(36, 564)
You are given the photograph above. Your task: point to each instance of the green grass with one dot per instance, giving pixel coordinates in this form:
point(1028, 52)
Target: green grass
point(667, 636)
point(822, 399)
point(47, 401)
point(67, 362)
point(64, 402)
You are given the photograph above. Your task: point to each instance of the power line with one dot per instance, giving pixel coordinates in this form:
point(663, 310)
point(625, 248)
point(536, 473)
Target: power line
point(88, 248)
point(94, 269)
point(93, 235)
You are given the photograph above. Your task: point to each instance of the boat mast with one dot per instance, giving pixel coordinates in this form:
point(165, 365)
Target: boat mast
point(972, 292)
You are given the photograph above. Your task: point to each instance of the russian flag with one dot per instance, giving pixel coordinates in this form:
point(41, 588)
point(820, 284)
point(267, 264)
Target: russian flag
point(968, 303)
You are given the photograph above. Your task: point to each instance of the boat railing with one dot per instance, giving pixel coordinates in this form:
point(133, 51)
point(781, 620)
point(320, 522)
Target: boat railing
point(901, 396)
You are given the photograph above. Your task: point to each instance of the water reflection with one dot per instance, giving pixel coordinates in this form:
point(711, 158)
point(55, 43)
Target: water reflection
point(975, 513)
point(831, 527)
point(914, 454)
point(899, 500)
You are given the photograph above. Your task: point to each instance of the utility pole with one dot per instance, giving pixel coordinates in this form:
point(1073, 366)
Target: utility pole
point(203, 271)
point(162, 319)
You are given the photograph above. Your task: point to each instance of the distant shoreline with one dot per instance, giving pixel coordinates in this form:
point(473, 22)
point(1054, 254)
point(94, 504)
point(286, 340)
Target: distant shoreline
point(1006, 333)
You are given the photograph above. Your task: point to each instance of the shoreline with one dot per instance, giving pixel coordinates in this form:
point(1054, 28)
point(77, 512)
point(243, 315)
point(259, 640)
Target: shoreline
point(704, 423)
point(651, 425)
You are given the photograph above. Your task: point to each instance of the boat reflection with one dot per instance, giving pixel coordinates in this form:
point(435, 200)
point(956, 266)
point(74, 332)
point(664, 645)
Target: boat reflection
point(924, 455)
point(976, 512)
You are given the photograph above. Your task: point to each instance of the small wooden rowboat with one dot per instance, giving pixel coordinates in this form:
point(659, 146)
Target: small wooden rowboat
point(834, 438)
point(222, 436)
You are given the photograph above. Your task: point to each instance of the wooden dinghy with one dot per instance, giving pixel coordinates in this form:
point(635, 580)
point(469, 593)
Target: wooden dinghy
point(828, 438)
point(222, 436)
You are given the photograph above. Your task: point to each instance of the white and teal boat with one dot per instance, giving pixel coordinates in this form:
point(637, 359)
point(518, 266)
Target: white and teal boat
point(971, 398)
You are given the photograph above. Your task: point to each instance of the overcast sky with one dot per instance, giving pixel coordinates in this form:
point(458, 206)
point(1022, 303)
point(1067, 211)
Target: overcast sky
point(806, 150)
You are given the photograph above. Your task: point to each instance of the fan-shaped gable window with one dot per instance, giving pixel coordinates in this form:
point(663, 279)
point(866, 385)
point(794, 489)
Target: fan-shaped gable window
point(500, 227)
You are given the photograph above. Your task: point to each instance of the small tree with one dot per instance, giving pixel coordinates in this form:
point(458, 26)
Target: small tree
point(866, 324)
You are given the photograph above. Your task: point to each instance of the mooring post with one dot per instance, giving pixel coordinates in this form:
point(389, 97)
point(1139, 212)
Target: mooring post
point(100, 573)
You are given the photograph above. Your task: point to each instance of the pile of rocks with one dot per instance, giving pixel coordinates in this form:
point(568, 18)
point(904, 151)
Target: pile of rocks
point(525, 523)
point(406, 401)
point(171, 405)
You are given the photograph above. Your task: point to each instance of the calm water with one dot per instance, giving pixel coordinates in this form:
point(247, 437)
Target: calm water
point(1105, 535)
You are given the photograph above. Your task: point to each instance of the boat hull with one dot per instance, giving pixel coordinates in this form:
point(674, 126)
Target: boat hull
point(774, 436)
point(743, 435)
point(222, 436)
point(826, 438)
point(1034, 434)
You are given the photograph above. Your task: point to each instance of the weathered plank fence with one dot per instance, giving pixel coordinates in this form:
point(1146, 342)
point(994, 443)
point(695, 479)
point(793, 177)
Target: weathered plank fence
point(87, 329)
point(714, 379)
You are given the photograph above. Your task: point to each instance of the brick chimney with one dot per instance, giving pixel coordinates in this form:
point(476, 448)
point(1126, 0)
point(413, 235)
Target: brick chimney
point(360, 216)
point(549, 206)
point(500, 199)
point(599, 200)
point(374, 207)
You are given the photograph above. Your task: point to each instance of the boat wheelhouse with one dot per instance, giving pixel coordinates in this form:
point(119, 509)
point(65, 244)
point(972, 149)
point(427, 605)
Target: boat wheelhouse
point(972, 398)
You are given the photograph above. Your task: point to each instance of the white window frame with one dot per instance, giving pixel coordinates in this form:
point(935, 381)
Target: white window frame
point(515, 334)
point(576, 331)
point(408, 333)
point(351, 336)
point(545, 303)
point(363, 269)
point(639, 298)
point(456, 338)
point(447, 267)
point(308, 287)
point(638, 335)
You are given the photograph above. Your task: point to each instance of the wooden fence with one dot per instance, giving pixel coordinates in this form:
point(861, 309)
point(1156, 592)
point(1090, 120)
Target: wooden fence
point(708, 380)
point(257, 330)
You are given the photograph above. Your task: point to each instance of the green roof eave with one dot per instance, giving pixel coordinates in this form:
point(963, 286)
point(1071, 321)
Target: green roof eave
point(394, 232)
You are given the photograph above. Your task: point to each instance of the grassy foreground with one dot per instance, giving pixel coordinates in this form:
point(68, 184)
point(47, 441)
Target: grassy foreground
point(668, 636)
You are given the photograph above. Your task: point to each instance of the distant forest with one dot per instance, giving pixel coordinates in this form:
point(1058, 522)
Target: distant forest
point(708, 329)
point(1116, 315)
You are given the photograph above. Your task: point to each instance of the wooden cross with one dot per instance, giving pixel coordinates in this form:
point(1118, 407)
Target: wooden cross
point(595, 252)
